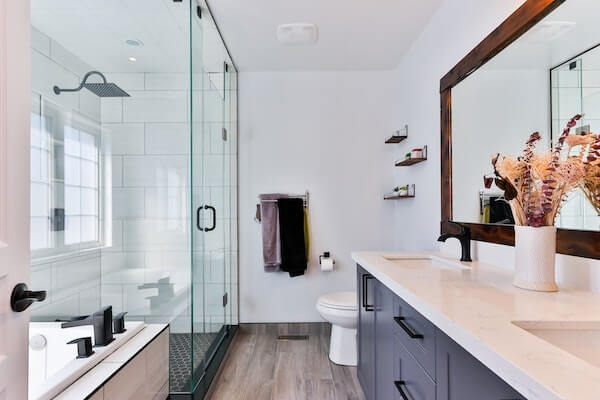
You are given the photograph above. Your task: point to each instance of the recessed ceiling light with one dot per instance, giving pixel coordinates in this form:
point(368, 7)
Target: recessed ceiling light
point(134, 42)
point(297, 34)
point(132, 59)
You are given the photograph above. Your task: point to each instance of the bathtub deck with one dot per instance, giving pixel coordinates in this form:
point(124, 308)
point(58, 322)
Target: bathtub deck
point(259, 366)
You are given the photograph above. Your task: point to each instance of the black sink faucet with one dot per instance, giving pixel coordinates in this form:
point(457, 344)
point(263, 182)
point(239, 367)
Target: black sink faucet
point(101, 320)
point(465, 240)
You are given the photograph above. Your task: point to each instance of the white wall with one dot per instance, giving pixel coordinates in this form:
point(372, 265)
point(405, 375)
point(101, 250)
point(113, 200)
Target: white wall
point(323, 132)
point(454, 30)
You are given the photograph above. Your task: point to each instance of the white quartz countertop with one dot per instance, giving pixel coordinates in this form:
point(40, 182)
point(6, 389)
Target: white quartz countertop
point(476, 307)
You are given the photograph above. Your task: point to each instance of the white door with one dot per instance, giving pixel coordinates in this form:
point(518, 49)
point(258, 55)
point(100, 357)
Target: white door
point(14, 192)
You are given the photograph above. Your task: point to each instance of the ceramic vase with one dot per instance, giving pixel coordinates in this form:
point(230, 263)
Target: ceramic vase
point(535, 251)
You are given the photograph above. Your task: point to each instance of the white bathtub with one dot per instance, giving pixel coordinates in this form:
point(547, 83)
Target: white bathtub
point(53, 367)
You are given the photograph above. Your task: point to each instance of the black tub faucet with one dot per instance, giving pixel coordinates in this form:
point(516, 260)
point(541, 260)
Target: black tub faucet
point(101, 320)
point(465, 240)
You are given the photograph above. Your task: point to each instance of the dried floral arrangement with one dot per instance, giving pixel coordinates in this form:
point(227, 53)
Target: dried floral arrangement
point(537, 184)
point(589, 153)
point(591, 185)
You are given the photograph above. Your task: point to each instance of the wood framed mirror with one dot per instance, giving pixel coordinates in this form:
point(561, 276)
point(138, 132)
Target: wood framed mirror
point(576, 242)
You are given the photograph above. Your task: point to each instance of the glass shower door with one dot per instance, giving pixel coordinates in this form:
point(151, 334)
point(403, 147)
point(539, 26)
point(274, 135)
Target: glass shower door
point(207, 197)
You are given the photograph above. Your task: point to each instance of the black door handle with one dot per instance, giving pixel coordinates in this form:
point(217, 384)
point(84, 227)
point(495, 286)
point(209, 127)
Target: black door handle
point(405, 328)
point(399, 385)
point(214, 218)
point(21, 297)
point(365, 299)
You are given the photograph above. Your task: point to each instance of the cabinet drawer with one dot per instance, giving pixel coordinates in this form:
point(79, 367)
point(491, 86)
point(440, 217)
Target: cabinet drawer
point(412, 380)
point(416, 333)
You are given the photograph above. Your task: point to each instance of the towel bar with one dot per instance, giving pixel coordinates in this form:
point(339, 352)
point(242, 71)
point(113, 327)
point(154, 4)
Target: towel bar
point(304, 197)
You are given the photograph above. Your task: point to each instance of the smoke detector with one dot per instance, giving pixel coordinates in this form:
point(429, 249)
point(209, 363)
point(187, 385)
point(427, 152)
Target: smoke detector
point(297, 34)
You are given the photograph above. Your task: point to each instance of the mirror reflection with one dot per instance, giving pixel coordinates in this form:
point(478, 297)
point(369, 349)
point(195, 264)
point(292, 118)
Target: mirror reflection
point(537, 84)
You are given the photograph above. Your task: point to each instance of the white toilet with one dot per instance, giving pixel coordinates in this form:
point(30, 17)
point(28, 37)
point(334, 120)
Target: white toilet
point(341, 310)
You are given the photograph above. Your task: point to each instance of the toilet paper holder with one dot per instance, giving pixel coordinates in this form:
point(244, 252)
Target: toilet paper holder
point(325, 255)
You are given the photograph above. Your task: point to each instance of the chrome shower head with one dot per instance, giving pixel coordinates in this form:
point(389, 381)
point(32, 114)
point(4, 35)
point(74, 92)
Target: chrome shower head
point(103, 89)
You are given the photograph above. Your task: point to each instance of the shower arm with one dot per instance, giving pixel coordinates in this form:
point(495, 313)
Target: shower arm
point(58, 90)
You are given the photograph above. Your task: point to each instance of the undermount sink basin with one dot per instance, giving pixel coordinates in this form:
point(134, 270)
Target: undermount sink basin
point(581, 339)
point(425, 261)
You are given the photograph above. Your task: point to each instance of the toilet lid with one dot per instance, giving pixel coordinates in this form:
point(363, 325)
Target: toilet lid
point(339, 300)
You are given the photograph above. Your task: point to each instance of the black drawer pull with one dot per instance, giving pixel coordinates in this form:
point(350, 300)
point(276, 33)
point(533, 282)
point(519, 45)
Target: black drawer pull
point(365, 296)
point(409, 332)
point(399, 385)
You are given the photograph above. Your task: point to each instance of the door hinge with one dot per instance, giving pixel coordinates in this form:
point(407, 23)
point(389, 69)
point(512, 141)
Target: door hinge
point(225, 300)
point(199, 11)
point(224, 134)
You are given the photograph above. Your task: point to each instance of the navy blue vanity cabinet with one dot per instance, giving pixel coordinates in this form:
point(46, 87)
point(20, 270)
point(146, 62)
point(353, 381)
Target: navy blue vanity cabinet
point(384, 343)
point(402, 355)
point(416, 333)
point(462, 376)
point(410, 379)
point(366, 332)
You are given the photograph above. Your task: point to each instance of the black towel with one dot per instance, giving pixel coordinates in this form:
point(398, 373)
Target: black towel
point(500, 212)
point(291, 236)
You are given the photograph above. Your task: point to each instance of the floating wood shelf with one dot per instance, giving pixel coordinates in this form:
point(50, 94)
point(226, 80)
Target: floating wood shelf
point(399, 135)
point(410, 161)
point(396, 139)
point(398, 197)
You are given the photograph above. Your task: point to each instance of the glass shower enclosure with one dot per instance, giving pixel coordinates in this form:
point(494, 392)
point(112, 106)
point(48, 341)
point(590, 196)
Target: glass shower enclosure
point(143, 180)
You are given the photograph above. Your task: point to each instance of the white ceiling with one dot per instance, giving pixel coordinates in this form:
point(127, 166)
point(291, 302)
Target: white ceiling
point(96, 31)
point(353, 35)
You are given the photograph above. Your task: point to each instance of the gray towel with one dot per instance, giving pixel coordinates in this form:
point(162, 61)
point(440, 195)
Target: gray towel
point(270, 231)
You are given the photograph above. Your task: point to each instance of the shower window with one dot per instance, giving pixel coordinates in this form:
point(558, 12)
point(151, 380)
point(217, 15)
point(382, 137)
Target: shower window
point(65, 176)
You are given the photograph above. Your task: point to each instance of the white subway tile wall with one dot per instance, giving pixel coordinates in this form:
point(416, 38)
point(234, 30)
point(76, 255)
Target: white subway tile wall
point(73, 281)
point(148, 270)
point(577, 91)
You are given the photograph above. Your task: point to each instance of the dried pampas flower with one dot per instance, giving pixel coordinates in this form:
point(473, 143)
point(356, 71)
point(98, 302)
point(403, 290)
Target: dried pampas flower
point(537, 184)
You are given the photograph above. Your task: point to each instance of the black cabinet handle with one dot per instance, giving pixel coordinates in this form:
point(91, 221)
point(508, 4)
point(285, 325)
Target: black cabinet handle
point(365, 300)
point(399, 385)
point(409, 332)
point(21, 297)
point(214, 218)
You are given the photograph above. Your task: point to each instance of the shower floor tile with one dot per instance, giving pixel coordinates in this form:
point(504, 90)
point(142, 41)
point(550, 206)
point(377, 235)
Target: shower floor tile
point(181, 357)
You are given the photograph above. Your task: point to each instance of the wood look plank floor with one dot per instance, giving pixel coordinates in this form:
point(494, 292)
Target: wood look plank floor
point(261, 367)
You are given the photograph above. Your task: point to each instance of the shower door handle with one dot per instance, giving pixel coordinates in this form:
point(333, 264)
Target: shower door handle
point(214, 219)
point(198, 213)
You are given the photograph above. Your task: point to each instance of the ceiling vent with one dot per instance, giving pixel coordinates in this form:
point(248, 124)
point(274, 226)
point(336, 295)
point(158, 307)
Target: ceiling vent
point(297, 34)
